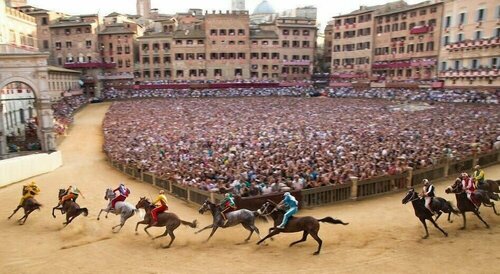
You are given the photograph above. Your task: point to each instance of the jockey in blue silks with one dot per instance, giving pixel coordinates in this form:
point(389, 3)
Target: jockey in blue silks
point(293, 206)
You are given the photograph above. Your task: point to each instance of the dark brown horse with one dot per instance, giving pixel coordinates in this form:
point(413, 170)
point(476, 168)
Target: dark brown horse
point(166, 219)
point(438, 204)
point(70, 208)
point(307, 224)
point(29, 205)
point(465, 205)
point(492, 187)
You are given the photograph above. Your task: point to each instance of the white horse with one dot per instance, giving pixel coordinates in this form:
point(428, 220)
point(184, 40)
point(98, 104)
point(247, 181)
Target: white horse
point(126, 210)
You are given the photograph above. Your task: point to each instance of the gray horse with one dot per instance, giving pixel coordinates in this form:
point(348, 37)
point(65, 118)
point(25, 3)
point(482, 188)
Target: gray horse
point(244, 217)
point(126, 210)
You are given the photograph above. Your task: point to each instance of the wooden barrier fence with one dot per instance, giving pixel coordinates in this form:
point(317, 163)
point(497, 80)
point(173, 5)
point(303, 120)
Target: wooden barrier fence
point(353, 190)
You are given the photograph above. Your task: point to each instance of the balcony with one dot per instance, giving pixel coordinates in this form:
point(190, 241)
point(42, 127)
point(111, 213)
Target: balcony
point(90, 65)
point(470, 73)
point(421, 29)
point(391, 65)
point(296, 62)
point(473, 44)
point(121, 76)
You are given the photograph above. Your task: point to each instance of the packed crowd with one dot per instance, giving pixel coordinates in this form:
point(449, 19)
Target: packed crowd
point(450, 96)
point(182, 93)
point(440, 95)
point(255, 145)
point(64, 110)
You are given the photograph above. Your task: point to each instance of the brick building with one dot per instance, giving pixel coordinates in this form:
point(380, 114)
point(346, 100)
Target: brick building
point(407, 42)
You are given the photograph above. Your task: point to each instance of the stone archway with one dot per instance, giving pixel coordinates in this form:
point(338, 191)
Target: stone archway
point(29, 68)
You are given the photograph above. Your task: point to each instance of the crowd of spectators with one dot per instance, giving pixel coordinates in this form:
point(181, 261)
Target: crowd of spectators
point(251, 146)
point(440, 95)
point(64, 110)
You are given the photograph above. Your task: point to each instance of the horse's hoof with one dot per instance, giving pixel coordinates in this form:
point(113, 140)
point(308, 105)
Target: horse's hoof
point(165, 247)
point(487, 227)
point(425, 237)
point(106, 217)
point(462, 228)
point(316, 253)
point(446, 234)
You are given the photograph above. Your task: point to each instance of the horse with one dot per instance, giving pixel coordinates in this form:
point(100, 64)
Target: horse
point(492, 187)
point(126, 210)
point(244, 217)
point(70, 208)
point(465, 205)
point(165, 219)
point(309, 225)
point(29, 205)
point(438, 204)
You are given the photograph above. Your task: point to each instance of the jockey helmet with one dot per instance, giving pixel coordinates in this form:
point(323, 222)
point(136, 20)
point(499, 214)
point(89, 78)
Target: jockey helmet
point(425, 181)
point(162, 191)
point(287, 194)
point(464, 174)
point(477, 167)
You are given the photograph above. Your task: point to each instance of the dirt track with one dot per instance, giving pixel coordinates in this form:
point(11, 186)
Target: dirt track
point(384, 235)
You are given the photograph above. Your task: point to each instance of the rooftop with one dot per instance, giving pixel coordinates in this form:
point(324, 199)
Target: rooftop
point(183, 34)
point(263, 34)
point(59, 69)
point(116, 29)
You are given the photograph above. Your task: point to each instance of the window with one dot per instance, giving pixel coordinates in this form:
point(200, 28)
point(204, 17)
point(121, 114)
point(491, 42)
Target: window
point(88, 43)
point(461, 18)
point(423, 12)
point(478, 35)
point(45, 21)
point(241, 32)
point(67, 31)
point(433, 10)
point(402, 26)
point(460, 37)
point(497, 33)
point(430, 46)
point(457, 64)
point(494, 62)
point(69, 44)
point(443, 65)
point(446, 40)
point(480, 15)
point(447, 22)
point(45, 44)
point(475, 64)
point(218, 72)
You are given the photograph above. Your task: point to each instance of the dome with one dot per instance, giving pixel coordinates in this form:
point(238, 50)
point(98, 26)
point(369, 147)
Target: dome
point(264, 8)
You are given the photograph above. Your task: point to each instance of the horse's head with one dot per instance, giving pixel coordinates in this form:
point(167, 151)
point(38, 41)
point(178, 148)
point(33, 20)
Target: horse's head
point(109, 195)
point(62, 191)
point(410, 196)
point(456, 187)
point(143, 203)
point(207, 205)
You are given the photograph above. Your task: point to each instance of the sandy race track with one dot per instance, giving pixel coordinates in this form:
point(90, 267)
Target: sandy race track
point(383, 235)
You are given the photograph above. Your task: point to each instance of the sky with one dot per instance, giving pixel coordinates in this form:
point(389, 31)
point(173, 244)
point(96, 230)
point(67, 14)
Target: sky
point(326, 8)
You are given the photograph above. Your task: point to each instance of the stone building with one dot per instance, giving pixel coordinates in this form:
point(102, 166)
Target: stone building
point(470, 48)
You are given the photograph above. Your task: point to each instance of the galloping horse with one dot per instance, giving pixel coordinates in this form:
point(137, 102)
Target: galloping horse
point(29, 205)
point(244, 217)
point(492, 187)
point(307, 224)
point(166, 219)
point(126, 210)
point(70, 207)
point(439, 205)
point(465, 205)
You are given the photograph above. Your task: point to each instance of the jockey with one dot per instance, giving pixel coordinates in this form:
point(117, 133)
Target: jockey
point(468, 186)
point(478, 175)
point(29, 191)
point(72, 193)
point(292, 205)
point(428, 192)
point(228, 204)
point(123, 194)
point(162, 199)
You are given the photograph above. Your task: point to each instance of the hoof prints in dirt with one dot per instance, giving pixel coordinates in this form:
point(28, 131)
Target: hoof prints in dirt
point(85, 243)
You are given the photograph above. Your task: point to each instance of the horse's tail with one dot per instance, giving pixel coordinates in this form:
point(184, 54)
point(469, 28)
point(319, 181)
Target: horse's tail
point(331, 220)
point(452, 209)
point(84, 210)
point(194, 224)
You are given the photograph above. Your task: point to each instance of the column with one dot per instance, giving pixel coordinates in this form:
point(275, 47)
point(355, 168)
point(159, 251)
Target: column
point(46, 124)
point(3, 137)
point(410, 175)
point(354, 188)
